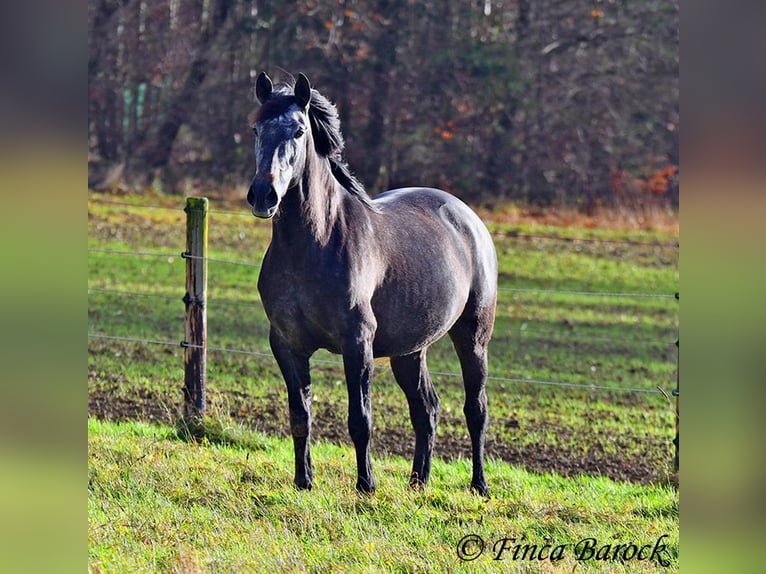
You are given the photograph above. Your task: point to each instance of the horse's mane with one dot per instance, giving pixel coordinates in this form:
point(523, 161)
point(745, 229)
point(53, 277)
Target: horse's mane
point(325, 129)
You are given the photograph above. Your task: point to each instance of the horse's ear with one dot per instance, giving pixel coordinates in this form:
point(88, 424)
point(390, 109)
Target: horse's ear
point(303, 91)
point(263, 87)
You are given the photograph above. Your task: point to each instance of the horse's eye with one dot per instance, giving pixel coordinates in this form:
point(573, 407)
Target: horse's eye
point(299, 132)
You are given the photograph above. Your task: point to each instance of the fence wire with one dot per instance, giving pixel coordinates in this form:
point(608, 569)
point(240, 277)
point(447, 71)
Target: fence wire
point(523, 331)
point(338, 363)
point(185, 255)
point(129, 252)
point(215, 260)
point(242, 213)
point(587, 293)
point(566, 239)
point(512, 234)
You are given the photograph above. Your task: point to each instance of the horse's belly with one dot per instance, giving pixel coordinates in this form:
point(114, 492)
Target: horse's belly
point(303, 334)
point(409, 321)
point(398, 343)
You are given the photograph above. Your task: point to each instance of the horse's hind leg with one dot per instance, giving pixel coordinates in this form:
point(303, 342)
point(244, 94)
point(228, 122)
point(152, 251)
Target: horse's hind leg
point(412, 375)
point(295, 370)
point(470, 336)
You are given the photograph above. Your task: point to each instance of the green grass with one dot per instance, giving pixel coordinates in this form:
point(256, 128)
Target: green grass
point(159, 504)
point(228, 503)
point(615, 342)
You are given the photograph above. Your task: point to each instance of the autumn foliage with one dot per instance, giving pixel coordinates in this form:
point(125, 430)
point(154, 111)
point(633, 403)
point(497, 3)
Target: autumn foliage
point(551, 102)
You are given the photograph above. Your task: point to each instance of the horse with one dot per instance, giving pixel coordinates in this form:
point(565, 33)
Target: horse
point(365, 278)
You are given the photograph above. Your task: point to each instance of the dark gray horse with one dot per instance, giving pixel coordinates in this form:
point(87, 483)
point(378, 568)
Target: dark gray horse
point(365, 278)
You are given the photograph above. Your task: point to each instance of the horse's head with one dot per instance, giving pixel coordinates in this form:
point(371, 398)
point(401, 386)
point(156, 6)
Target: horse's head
point(280, 143)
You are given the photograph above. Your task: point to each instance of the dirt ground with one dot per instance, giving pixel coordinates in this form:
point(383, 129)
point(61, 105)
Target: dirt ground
point(271, 417)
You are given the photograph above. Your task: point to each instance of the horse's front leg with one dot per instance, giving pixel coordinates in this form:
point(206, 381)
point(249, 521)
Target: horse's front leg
point(358, 366)
point(295, 370)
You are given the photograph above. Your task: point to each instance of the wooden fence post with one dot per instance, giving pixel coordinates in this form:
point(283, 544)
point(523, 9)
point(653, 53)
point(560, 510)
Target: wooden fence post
point(195, 337)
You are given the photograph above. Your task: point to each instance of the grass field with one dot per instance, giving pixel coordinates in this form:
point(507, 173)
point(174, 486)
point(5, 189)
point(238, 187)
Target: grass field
point(566, 463)
point(159, 504)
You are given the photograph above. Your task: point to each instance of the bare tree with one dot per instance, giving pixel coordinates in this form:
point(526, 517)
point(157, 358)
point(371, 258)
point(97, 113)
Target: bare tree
point(545, 102)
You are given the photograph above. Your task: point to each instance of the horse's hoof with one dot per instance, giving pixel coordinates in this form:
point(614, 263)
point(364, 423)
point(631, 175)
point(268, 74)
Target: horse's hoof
point(303, 484)
point(417, 483)
point(480, 489)
point(365, 487)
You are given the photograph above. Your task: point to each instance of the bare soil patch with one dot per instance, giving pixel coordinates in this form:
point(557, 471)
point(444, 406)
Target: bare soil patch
point(592, 455)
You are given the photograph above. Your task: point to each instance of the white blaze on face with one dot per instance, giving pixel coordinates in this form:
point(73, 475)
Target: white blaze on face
point(280, 149)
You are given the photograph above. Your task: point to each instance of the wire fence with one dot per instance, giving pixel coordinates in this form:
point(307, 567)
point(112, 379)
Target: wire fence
point(523, 331)
point(339, 363)
point(141, 314)
point(512, 234)
point(589, 293)
point(184, 255)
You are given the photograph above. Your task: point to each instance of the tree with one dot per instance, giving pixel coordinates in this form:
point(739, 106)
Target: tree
point(544, 102)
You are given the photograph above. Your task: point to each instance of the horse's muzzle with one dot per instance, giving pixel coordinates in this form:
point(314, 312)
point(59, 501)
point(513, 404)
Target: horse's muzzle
point(263, 199)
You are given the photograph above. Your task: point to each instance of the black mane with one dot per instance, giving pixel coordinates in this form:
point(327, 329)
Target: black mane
point(325, 129)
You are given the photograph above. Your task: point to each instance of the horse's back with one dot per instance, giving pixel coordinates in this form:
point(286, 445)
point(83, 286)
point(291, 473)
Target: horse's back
point(418, 197)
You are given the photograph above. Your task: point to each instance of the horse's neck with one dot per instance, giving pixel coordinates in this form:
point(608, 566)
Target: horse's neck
point(311, 209)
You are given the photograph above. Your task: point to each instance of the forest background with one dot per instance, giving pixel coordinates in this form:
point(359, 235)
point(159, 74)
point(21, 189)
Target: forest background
point(546, 103)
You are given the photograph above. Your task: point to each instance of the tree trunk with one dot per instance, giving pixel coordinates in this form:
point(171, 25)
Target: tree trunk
point(154, 154)
point(383, 69)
